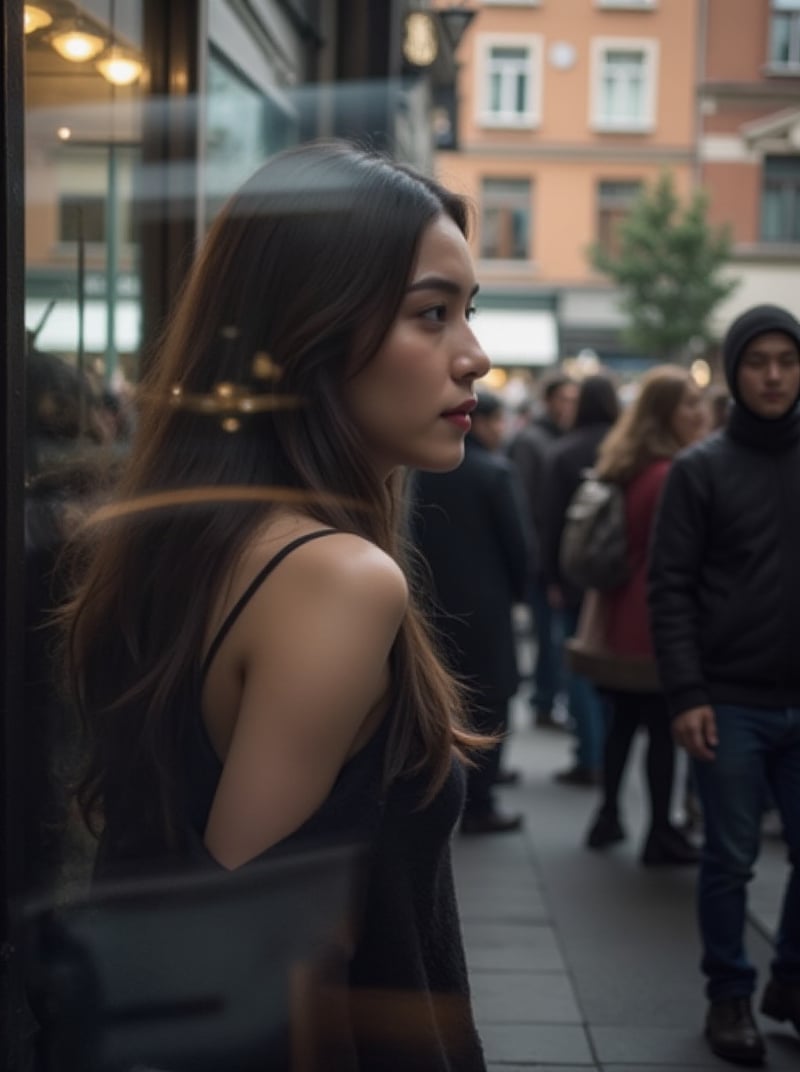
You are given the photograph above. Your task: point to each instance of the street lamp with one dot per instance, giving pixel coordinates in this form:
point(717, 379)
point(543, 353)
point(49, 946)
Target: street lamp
point(454, 21)
point(422, 30)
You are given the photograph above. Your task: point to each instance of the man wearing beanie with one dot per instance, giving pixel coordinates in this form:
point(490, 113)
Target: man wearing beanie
point(725, 608)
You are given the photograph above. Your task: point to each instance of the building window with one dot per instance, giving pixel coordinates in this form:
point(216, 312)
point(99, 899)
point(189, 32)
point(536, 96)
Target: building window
point(624, 84)
point(614, 203)
point(510, 72)
point(505, 219)
point(627, 5)
point(780, 199)
point(784, 35)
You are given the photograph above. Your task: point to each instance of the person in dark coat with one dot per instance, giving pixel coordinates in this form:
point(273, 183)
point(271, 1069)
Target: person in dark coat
point(470, 527)
point(724, 597)
point(598, 409)
point(528, 450)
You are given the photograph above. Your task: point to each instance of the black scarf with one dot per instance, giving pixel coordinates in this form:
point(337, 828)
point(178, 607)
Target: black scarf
point(761, 433)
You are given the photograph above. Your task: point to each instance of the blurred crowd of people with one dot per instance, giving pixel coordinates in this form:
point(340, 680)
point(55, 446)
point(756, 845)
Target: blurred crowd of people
point(695, 646)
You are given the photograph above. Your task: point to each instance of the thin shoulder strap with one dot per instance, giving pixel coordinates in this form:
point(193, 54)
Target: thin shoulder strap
point(254, 585)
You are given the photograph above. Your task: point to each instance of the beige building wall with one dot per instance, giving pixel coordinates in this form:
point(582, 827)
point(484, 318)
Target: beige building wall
point(564, 151)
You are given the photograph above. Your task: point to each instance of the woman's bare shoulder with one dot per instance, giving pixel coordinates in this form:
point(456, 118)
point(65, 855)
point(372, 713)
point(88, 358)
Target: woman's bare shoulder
point(339, 563)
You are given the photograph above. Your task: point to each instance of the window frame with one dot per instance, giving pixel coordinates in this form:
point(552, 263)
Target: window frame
point(605, 207)
point(791, 66)
point(494, 261)
point(600, 48)
point(531, 117)
point(790, 182)
point(627, 5)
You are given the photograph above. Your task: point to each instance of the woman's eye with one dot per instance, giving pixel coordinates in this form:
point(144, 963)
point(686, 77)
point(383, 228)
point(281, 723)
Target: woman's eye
point(471, 311)
point(438, 314)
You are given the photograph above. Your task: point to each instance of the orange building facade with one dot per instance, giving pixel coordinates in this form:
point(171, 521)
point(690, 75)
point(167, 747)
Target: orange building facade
point(567, 109)
point(749, 144)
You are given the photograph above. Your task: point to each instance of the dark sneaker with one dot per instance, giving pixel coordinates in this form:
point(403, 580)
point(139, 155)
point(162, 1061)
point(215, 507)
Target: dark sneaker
point(583, 776)
point(732, 1033)
point(490, 822)
point(605, 830)
point(669, 848)
point(781, 1001)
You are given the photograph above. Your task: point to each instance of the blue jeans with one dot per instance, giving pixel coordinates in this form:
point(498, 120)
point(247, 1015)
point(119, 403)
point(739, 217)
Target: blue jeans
point(759, 749)
point(586, 708)
point(548, 674)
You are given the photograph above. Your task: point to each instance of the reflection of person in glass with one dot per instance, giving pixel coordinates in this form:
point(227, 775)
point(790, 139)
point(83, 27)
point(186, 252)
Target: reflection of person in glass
point(250, 663)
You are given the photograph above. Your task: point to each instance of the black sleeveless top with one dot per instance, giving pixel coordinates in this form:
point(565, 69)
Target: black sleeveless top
point(410, 1006)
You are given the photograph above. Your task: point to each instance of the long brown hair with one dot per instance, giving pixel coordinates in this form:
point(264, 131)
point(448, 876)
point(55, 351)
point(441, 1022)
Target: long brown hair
point(305, 267)
point(644, 431)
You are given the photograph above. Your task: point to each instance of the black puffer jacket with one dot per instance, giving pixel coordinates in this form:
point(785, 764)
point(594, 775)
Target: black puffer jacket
point(724, 577)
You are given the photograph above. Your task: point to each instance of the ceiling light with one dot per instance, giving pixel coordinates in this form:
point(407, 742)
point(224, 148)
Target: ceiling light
point(75, 44)
point(35, 18)
point(119, 66)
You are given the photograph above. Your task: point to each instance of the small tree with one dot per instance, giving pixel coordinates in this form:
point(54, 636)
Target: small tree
point(668, 269)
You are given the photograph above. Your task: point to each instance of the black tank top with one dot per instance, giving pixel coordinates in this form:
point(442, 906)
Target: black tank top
point(408, 955)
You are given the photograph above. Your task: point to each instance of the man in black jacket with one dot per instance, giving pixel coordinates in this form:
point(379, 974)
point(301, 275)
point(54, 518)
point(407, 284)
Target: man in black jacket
point(725, 607)
point(528, 450)
point(470, 526)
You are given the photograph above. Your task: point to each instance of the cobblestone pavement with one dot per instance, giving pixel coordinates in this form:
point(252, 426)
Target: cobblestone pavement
point(580, 960)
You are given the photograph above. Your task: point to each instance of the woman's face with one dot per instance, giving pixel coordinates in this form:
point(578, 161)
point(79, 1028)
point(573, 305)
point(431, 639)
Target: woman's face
point(691, 419)
point(411, 402)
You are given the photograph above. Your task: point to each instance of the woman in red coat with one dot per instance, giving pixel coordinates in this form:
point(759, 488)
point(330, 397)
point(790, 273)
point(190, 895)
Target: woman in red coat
point(668, 414)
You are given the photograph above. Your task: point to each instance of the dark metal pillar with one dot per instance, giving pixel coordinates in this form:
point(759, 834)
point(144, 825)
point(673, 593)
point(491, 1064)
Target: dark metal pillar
point(12, 384)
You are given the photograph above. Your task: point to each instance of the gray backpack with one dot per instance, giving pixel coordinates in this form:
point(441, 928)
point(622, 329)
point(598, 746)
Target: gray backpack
point(593, 552)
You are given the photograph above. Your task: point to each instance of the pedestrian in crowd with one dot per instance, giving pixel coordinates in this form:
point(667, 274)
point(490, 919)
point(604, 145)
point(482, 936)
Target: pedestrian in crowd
point(250, 661)
point(725, 607)
point(527, 450)
point(565, 466)
point(471, 528)
point(668, 414)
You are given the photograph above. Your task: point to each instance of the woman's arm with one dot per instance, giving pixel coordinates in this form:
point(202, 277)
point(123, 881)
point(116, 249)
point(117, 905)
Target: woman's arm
point(315, 643)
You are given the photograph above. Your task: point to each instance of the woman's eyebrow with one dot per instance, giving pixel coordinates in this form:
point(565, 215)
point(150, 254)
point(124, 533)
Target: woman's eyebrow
point(438, 282)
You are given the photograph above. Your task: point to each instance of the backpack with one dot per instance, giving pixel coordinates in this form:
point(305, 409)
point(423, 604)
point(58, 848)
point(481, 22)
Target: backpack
point(593, 552)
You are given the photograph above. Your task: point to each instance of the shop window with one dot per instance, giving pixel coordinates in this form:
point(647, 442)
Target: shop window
point(505, 219)
point(780, 199)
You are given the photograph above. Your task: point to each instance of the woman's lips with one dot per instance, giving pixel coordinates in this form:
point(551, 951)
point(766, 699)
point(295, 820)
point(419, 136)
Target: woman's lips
point(460, 420)
point(460, 416)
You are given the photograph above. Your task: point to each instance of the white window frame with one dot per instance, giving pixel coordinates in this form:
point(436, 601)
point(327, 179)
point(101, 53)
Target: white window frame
point(792, 65)
point(510, 120)
point(601, 46)
point(627, 5)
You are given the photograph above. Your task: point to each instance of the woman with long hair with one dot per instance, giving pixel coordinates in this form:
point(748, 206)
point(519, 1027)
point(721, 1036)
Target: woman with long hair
point(245, 646)
point(668, 413)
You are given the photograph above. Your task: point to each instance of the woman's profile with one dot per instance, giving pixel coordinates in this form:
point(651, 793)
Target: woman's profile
point(244, 645)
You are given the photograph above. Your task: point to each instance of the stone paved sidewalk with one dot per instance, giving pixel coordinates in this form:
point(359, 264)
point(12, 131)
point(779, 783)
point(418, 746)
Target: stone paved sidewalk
point(580, 960)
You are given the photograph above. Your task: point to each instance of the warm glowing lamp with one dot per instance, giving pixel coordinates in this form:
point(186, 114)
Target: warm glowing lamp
point(35, 18)
point(75, 44)
point(119, 66)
